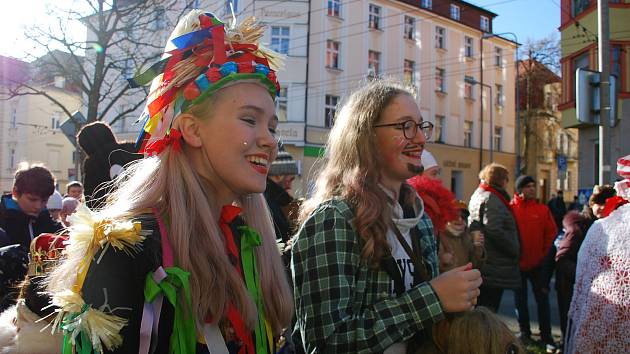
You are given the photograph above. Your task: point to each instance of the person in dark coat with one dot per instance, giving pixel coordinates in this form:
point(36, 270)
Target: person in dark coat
point(575, 227)
point(489, 205)
point(23, 213)
point(558, 208)
point(23, 216)
point(105, 159)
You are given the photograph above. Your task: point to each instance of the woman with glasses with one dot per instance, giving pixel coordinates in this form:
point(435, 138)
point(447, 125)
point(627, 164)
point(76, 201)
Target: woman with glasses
point(364, 261)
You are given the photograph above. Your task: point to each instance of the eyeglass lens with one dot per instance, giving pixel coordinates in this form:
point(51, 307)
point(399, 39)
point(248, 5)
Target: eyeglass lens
point(410, 129)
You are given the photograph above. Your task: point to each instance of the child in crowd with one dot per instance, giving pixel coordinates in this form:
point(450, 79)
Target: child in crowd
point(460, 244)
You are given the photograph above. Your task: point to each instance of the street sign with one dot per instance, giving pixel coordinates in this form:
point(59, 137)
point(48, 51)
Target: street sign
point(69, 126)
point(587, 97)
point(584, 194)
point(562, 163)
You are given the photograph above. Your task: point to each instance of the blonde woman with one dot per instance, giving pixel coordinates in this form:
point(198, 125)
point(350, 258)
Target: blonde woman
point(183, 259)
point(364, 261)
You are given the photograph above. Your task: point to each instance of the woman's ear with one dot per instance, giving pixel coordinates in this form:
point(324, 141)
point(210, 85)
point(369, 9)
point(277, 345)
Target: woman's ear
point(190, 127)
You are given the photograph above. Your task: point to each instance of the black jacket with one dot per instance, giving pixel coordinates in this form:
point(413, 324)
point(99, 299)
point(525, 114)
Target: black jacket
point(278, 199)
point(21, 228)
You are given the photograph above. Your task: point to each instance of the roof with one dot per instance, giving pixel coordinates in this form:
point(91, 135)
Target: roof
point(13, 71)
point(488, 12)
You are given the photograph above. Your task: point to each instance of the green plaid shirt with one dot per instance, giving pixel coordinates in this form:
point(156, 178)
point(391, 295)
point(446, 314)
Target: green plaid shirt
point(342, 305)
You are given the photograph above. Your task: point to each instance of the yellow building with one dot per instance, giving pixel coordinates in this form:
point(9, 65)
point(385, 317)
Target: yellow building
point(434, 46)
point(29, 126)
point(579, 32)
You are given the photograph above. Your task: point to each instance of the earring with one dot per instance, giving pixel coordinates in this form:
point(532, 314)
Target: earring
point(244, 143)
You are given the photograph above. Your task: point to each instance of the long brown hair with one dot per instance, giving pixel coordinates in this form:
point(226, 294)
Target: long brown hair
point(170, 184)
point(352, 168)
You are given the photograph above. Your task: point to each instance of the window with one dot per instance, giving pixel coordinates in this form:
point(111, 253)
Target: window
point(455, 12)
point(617, 66)
point(439, 129)
point(468, 47)
point(281, 104)
point(410, 27)
point(60, 81)
point(12, 158)
point(332, 54)
point(53, 160)
point(440, 37)
point(469, 87)
point(375, 17)
point(484, 23)
point(499, 98)
point(498, 57)
point(128, 69)
point(497, 138)
point(280, 39)
point(159, 22)
point(55, 121)
point(468, 130)
point(330, 110)
point(121, 124)
point(578, 6)
point(440, 84)
point(334, 8)
point(427, 4)
point(409, 72)
point(231, 5)
point(374, 63)
point(14, 118)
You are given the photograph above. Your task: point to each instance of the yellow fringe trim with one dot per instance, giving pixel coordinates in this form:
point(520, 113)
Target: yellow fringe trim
point(102, 329)
point(89, 233)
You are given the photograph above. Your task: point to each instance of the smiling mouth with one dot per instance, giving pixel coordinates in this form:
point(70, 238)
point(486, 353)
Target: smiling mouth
point(259, 164)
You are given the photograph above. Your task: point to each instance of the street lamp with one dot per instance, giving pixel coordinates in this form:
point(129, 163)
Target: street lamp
point(518, 109)
point(475, 82)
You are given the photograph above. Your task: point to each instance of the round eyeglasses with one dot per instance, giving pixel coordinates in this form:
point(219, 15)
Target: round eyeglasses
point(410, 128)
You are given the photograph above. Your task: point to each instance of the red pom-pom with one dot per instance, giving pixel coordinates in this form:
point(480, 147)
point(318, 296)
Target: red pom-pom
point(191, 91)
point(245, 67)
point(213, 75)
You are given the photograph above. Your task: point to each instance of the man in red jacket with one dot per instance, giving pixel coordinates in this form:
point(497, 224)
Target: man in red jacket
point(537, 230)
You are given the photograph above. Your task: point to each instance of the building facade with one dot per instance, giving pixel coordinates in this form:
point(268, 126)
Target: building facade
point(434, 46)
point(29, 125)
point(579, 50)
point(334, 46)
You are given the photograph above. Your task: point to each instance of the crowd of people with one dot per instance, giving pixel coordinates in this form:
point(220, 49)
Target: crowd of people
point(194, 242)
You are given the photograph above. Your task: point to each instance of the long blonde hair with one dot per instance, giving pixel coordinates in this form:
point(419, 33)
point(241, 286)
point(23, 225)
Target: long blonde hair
point(170, 184)
point(352, 168)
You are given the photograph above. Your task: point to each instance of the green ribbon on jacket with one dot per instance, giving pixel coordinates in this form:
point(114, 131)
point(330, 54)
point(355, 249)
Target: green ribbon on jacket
point(183, 338)
point(250, 239)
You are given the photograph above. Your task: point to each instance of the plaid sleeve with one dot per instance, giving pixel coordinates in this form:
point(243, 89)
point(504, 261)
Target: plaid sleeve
point(336, 310)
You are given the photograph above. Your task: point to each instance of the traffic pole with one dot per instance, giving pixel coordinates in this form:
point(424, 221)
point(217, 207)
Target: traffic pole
point(603, 59)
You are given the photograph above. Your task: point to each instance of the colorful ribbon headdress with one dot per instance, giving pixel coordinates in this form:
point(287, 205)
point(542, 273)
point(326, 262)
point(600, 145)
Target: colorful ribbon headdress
point(203, 55)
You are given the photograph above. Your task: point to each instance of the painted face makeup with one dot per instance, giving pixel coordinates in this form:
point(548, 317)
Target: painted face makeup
point(400, 156)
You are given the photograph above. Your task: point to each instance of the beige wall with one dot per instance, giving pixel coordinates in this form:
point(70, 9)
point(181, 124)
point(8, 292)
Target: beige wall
point(34, 138)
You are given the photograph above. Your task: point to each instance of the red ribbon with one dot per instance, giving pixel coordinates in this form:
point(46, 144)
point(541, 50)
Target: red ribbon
point(612, 204)
point(157, 146)
point(228, 214)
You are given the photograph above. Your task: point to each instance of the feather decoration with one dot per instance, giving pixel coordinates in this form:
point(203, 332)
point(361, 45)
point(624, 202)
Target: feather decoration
point(74, 316)
point(251, 31)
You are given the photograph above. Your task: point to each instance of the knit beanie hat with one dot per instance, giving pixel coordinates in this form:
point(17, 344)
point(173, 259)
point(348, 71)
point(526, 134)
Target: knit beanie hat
point(522, 181)
point(284, 165)
point(55, 202)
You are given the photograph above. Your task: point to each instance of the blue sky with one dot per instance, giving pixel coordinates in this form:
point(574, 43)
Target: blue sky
point(533, 19)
